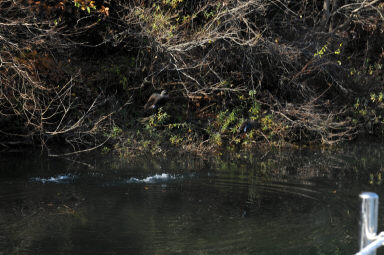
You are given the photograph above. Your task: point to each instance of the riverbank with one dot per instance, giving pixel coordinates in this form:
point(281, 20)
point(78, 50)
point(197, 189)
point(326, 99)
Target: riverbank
point(304, 74)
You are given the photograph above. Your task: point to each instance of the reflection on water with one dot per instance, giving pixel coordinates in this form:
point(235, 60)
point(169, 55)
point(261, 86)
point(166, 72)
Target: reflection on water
point(285, 202)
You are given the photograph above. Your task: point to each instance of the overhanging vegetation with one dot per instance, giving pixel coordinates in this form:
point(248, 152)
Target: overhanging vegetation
point(79, 72)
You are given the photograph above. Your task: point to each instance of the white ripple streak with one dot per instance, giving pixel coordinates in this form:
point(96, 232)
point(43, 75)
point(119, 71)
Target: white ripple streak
point(56, 179)
point(153, 179)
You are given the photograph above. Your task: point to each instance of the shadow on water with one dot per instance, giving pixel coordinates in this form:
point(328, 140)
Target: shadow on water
point(284, 202)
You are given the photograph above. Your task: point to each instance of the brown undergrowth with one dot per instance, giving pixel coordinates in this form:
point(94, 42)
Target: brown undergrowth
point(79, 72)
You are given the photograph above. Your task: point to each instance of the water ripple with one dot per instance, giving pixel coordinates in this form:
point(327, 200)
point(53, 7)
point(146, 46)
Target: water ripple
point(153, 179)
point(55, 179)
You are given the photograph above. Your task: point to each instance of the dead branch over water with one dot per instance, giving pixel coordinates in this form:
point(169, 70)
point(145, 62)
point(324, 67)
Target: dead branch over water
point(38, 88)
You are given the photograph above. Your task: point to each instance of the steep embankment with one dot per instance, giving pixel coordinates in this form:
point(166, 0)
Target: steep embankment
point(79, 73)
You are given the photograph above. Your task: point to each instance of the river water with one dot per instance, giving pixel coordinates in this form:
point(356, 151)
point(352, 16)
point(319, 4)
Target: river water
point(276, 202)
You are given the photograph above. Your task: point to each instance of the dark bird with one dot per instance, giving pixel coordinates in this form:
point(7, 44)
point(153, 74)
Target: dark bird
point(156, 100)
point(248, 125)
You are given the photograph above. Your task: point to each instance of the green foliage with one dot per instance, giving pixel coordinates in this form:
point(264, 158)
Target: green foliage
point(115, 132)
point(252, 93)
point(369, 112)
point(105, 150)
point(376, 178)
point(177, 125)
point(267, 123)
point(229, 121)
point(85, 5)
point(320, 53)
point(360, 108)
point(357, 104)
point(213, 12)
point(176, 139)
point(57, 21)
point(337, 52)
point(367, 69)
point(158, 119)
point(172, 3)
point(160, 133)
point(254, 111)
point(378, 98)
point(225, 123)
point(216, 139)
point(226, 126)
point(161, 22)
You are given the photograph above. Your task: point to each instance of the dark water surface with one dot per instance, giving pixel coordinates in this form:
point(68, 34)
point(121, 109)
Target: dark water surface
point(282, 202)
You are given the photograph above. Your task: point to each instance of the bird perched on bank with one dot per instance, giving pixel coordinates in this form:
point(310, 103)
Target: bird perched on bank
point(156, 100)
point(248, 125)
